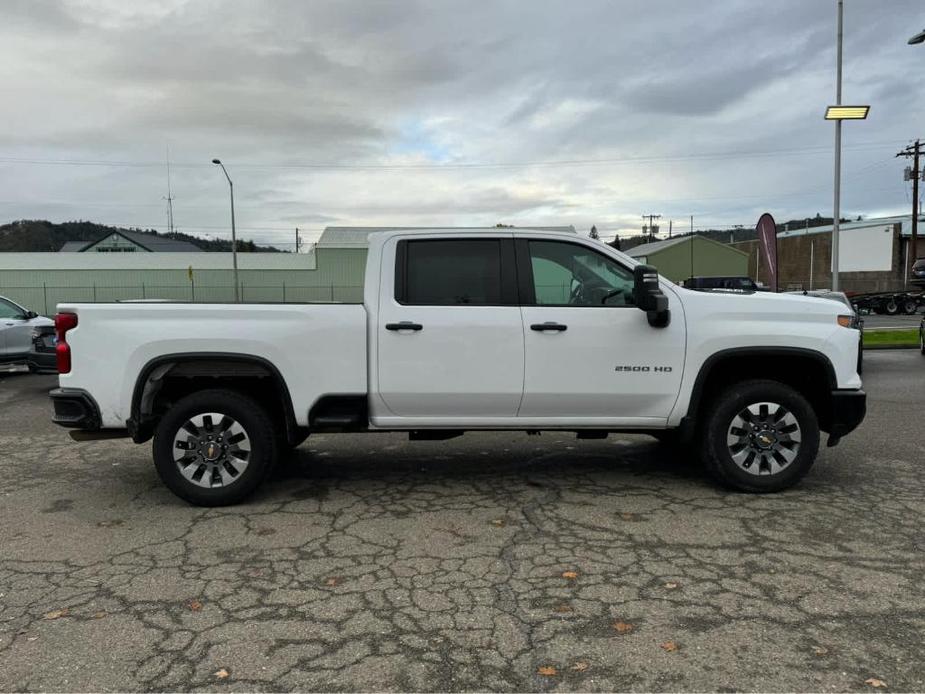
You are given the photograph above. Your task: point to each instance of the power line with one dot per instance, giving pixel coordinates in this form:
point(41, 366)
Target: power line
point(456, 165)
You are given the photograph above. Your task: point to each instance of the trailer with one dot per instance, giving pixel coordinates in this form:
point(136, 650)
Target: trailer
point(889, 303)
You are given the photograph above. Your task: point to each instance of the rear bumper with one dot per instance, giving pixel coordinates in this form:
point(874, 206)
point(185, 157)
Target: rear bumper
point(75, 409)
point(43, 362)
point(848, 410)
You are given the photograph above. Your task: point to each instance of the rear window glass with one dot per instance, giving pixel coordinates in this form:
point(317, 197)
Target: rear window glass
point(453, 272)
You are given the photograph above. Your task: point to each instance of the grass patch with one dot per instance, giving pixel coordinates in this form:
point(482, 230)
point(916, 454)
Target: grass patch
point(874, 338)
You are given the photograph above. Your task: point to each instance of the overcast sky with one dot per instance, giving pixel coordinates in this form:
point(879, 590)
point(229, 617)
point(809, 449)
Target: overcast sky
point(438, 112)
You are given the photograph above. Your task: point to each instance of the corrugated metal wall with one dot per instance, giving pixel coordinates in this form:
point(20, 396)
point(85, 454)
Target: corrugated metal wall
point(337, 277)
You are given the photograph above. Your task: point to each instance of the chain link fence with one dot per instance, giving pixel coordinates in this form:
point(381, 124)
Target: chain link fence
point(44, 298)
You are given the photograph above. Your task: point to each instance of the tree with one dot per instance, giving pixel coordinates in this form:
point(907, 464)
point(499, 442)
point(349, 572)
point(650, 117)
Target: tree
point(594, 235)
point(616, 242)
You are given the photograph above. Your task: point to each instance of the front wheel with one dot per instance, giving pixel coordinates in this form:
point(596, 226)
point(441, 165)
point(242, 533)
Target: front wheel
point(214, 447)
point(760, 436)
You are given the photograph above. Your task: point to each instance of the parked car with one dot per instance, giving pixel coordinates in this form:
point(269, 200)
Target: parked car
point(857, 322)
point(922, 335)
point(918, 272)
point(42, 357)
point(733, 283)
point(16, 343)
point(500, 329)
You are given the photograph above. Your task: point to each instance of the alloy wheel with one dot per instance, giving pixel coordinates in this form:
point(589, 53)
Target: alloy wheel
point(211, 450)
point(764, 438)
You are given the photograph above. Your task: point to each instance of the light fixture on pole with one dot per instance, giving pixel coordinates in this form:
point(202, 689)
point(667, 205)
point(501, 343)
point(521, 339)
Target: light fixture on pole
point(234, 240)
point(918, 38)
point(838, 113)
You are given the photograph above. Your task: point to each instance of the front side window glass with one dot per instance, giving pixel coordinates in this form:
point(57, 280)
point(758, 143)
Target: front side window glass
point(568, 274)
point(9, 310)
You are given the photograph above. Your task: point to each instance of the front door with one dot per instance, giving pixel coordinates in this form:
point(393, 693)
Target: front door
point(450, 340)
point(589, 352)
point(15, 331)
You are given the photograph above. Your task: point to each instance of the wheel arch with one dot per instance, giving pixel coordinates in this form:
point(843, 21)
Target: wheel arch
point(201, 370)
point(808, 371)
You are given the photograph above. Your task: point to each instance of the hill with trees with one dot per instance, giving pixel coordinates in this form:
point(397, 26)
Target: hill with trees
point(41, 235)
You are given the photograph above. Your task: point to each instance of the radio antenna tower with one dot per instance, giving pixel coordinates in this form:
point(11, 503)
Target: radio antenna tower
point(169, 198)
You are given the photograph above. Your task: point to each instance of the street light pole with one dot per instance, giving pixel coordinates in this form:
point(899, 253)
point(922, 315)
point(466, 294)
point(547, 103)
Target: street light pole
point(234, 240)
point(837, 192)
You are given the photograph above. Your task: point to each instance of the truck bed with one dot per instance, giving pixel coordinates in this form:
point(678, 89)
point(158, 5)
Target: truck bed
point(319, 349)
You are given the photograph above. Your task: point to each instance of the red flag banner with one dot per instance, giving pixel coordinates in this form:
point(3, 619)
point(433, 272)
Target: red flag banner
point(767, 247)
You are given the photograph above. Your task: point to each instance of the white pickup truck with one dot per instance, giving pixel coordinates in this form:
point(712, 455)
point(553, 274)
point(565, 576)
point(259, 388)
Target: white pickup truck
point(466, 330)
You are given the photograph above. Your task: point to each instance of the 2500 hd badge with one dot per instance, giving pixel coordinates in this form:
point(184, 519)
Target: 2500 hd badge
point(658, 369)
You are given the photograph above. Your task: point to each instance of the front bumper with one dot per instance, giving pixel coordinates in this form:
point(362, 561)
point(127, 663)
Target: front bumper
point(75, 409)
point(848, 410)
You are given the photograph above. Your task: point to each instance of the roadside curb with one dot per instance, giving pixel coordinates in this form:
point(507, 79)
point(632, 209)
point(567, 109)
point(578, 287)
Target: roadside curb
point(890, 347)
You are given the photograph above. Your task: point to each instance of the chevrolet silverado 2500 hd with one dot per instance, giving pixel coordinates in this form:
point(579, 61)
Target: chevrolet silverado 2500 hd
point(485, 329)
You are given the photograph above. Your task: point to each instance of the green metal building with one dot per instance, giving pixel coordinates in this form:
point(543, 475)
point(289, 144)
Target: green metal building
point(691, 256)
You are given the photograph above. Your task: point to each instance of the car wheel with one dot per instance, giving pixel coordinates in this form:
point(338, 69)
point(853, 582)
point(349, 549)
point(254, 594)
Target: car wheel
point(214, 447)
point(910, 307)
point(891, 308)
point(760, 436)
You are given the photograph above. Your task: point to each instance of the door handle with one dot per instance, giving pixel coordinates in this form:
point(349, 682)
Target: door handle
point(404, 325)
point(542, 327)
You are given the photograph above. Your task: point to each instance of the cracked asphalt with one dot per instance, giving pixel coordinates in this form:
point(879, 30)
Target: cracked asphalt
point(490, 562)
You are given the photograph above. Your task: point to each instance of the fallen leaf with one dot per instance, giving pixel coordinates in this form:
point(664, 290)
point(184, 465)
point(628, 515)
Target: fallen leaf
point(99, 615)
point(669, 646)
point(547, 670)
point(57, 614)
point(874, 682)
point(671, 585)
point(194, 605)
point(498, 522)
point(622, 627)
point(563, 608)
point(221, 674)
point(266, 531)
point(570, 575)
point(581, 666)
point(332, 581)
point(820, 650)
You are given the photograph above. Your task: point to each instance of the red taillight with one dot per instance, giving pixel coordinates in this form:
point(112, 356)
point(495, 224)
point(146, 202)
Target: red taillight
point(63, 323)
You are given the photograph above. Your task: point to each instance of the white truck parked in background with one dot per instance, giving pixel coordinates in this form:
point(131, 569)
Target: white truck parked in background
point(458, 331)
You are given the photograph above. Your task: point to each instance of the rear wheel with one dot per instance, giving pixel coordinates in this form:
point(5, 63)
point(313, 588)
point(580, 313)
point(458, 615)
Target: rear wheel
point(760, 436)
point(214, 447)
point(891, 307)
point(910, 307)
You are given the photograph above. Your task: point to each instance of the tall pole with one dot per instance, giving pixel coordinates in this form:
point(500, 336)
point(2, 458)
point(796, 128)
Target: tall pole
point(837, 192)
point(297, 242)
point(234, 239)
point(913, 250)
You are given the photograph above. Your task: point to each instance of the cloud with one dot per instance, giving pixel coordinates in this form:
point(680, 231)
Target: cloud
point(370, 82)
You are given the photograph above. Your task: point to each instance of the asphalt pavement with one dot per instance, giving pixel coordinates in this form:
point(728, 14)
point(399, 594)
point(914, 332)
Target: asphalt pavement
point(874, 321)
point(490, 562)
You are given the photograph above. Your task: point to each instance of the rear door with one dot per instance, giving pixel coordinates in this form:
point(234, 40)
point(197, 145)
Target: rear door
point(589, 352)
point(450, 341)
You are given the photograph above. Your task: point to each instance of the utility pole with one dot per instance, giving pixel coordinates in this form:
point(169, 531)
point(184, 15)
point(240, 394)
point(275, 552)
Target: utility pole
point(837, 189)
point(651, 230)
point(298, 243)
point(669, 227)
point(914, 150)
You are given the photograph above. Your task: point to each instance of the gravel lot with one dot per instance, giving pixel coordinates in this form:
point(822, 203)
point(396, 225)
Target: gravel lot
point(490, 562)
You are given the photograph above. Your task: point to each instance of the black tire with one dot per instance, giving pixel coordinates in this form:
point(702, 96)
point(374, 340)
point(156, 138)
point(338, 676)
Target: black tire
point(716, 453)
point(246, 413)
point(891, 307)
point(910, 307)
